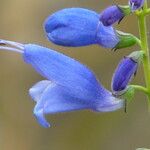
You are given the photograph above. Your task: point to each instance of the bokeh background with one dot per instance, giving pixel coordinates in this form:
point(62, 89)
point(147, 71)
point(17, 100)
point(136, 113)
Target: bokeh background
point(21, 20)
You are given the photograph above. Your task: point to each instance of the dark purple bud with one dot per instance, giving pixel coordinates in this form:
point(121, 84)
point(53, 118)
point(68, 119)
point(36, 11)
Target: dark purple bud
point(123, 74)
point(136, 4)
point(113, 14)
point(125, 71)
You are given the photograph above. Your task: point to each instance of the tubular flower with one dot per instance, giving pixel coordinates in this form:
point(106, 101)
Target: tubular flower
point(124, 72)
point(69, 85)
point(79, 27)
point(136, 4)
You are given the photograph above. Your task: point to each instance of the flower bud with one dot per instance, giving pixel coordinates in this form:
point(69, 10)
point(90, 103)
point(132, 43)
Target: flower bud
point(125, 71)
point(79, 27)
point(136, 4)
point(113, 14)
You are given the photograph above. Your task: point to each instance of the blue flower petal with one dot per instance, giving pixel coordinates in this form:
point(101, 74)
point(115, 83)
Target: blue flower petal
point(109, 103)
point(106, 36)
point(56, 99)
point(37, 90)
point(63, 70)
point(79, 27)
point(70, 86)
point(39, 114)
point(72, 27)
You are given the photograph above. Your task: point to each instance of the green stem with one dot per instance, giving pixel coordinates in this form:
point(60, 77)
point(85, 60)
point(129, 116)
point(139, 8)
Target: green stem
point(140, 88)
point(144, 47)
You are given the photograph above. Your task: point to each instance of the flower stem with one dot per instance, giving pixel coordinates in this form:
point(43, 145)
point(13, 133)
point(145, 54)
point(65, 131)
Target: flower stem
point(140, 88)
point(144, 46)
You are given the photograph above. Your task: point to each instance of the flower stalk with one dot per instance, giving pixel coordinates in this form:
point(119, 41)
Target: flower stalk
point(144, 46)
point(140, 88)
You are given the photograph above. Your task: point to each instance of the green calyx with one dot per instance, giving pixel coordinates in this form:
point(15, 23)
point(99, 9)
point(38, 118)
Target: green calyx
point(125, 9)
point(129, 94)
point(126, 40)
point(137, 56)
point(126, 94)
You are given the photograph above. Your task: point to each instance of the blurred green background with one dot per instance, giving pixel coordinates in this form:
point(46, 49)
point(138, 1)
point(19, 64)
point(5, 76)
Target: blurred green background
point(21, 20)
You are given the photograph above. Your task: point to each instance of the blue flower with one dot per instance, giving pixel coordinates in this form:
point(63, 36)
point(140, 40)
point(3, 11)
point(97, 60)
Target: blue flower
point(69, 85)
point(79, 27)
point(111, 15)
point(136, 4)
point(123, 74)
